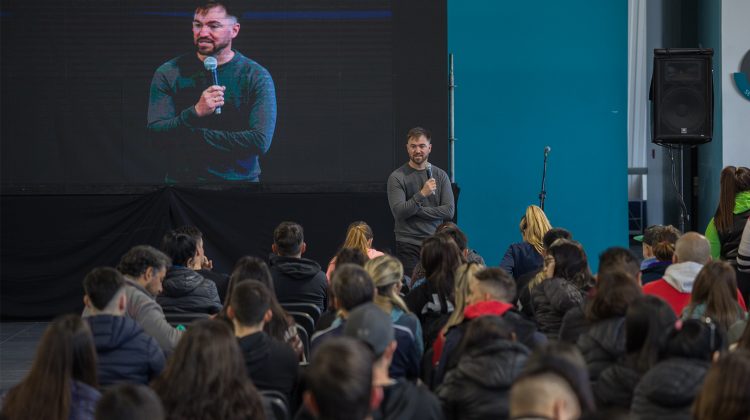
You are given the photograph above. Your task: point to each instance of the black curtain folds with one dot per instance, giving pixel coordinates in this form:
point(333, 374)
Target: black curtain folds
point(49, 242)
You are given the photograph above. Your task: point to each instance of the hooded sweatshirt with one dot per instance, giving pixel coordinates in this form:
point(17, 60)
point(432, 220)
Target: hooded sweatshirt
point(125, 353)
point(271, 364)
point(299, 280)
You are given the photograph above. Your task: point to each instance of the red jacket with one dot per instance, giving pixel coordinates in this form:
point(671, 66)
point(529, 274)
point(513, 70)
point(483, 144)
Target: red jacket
point(676, 299)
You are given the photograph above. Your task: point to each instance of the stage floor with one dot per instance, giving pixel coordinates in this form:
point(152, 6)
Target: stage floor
point(18, 341)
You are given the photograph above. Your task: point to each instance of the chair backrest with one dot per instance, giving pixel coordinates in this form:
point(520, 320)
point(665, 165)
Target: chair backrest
point(305, 338)
point(305, 320)
point(309, 308)
point(275, 402)
point(184, 318)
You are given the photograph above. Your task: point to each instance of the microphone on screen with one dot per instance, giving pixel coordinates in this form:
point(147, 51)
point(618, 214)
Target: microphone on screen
point(211, 64)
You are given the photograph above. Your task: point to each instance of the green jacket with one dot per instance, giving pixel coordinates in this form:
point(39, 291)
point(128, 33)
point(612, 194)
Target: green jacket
point(741, 205)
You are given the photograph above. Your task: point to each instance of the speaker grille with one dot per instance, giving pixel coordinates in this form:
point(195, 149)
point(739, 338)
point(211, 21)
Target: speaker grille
point(683, 110)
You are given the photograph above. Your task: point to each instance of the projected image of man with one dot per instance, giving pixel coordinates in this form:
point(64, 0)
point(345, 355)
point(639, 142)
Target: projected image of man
point(213, 132)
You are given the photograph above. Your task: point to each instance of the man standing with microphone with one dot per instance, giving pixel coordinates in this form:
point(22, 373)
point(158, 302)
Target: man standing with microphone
point(214, 109)
point(420, 197)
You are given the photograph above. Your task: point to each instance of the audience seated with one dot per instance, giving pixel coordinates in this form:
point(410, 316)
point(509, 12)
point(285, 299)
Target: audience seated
point(726, 389)
point(668, 389)
point(345, 256)
point(528, 281)
point(714, 295)
point(144, 268)
point(490, 291)
point(525, 257)
point(647, 320)
point(296, 279)
point(125, 352)
point(129, 402)
point(205, 379)
point(203, 265)
point(452, 230)
point(184, 289)
point(603, 343)
point(489, 360)
point(432, 301)
point(271, 364)
point(340, 382)
point(568, 279)
point(359, 236)
point(61, 383)
point(692, 251)
point(402, 399)
point(658, 244)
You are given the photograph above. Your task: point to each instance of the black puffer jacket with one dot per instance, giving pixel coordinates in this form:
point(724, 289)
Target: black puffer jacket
point(615, 387)
point(187, 291)
point(478, 387)
point(667, 390)
point(602, 345)
point(551, 299)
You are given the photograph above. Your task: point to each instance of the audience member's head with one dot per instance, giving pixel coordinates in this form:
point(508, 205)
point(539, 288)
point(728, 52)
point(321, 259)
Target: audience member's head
point(194, 233)
point(129, 402)
point(692, 247)
point(250, 305)
point(646, 320)
point(146, 266)
point(370, 325)
point(440, 257)
point(659, 242)
point(564, 360)
point(554, 234)
point(491, 283)
point(387, 274)
point(615, 291)
point(534, 225)
point(485, 330)
point(464, 277)
point(726, 390)
point(339, 381)
point(715, 289)
point(181, 248)
point(567, 260)
point(351, 256)
point(64, 354)
point(733, 180)
point(695, 339)
point(289, 240)
point(352, 286)
point(620, 259)
point(358, 236)
point(104, 291)
point(206, 377)
point(452, 230)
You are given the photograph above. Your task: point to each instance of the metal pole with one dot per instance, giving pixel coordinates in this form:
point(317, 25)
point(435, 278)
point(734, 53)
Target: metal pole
point(452, 125)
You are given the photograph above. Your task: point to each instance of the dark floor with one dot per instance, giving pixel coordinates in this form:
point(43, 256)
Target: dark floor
point(18, 341)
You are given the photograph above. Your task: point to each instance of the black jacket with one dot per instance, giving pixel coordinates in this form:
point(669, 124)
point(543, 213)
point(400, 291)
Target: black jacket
point(271, 364)
point(667, 390)
point(574, 323)
point(221, 280)
point(478, 387)
point(125, 353)
point(602, 345)
point(405, 400)
point(615, 386)
point(299, 280)
point(551, 299)
point(187, 291)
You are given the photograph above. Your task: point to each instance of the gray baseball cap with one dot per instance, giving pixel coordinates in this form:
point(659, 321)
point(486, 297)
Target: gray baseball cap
point(371, 325)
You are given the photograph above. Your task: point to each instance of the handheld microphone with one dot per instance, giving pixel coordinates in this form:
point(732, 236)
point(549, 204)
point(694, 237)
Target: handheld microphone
point(211, 64)
point(429, 170)
point(547, 149)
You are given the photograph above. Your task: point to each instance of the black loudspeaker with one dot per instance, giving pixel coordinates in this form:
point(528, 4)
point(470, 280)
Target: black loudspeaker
point(682, 96)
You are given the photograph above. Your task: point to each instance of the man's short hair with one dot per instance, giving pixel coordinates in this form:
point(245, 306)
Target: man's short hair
point(417, 132)
point(135, 262)
point(190, 231)
point(554, 234)
point(204, 6)
point(619, 259)
point(288, 238)
point(340, 379)
point(250, 301)
point(101, 285)
point(352, 286)
point(692, 246)
point(537, 393)
point(497, 283)
point(129, 402)
point(179, 247)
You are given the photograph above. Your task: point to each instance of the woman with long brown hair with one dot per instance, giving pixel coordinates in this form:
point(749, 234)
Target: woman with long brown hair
point(724, 231)
point(206, 378)
point(715, 295)
point(62, 382)
point(358, 236)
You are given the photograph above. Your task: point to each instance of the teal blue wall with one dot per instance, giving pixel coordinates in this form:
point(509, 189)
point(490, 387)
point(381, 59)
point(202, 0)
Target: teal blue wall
point(531, 74)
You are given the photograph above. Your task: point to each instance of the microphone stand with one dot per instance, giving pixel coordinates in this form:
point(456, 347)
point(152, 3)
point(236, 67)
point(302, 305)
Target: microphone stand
point(543, 193)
